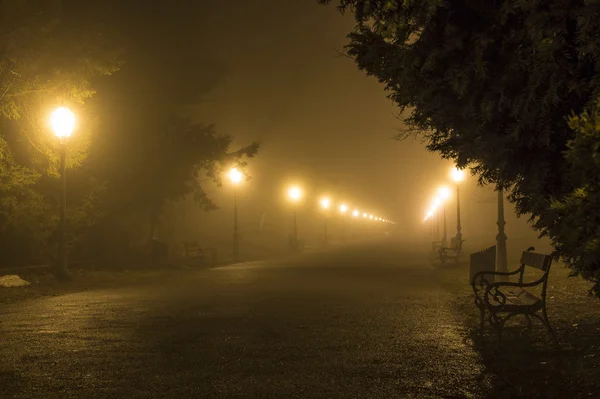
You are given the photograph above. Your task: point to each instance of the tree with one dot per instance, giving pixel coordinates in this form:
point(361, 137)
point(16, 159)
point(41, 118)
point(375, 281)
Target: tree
point(162, 159)
point(576, 232)
point(491, 85)
point(50, 53)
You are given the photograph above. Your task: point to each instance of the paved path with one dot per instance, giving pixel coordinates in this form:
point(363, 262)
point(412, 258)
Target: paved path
point(364, 322)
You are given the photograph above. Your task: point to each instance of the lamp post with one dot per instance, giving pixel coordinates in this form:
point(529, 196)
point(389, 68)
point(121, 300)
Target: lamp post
point(235, 177)
point(501, 258)
point(295, 194)
point(62, 121)
point(355, 232)
point(458, 176)
point(343, 210)
point(325, 205)
point(444, 194)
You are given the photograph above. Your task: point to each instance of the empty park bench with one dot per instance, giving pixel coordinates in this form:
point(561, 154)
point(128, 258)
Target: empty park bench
point(502, 299)
point(435, 246)
point(295, 244)
point(451, 252)
point(195, 254)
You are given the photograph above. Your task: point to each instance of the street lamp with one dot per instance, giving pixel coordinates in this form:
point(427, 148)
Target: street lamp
point(295, 195)
point(325, 205)
point(235, 177)
point(501, 256)
point(355, 213)
point(62, 122)
point(444, 194)
point(458, 176)
point(343, 210)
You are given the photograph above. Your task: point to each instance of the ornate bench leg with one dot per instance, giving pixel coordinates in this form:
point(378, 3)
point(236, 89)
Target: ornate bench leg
point(481, 319)
point(550, 330)
point(481, 308)
point(497, 323)
point(528, 321)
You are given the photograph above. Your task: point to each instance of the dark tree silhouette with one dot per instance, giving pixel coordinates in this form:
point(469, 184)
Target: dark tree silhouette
point(491, 85)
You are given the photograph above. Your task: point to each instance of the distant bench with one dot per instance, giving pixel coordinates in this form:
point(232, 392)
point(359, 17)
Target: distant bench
point(451, 252)
point(196, 254)
point(295, 244)
point(502, 299)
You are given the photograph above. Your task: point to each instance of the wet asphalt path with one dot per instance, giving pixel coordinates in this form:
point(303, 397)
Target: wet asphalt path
point(363, 322)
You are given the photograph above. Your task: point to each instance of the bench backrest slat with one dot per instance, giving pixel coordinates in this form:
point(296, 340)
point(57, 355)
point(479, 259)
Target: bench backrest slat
point(482, 261)
point(539, 261)
point(192, 248)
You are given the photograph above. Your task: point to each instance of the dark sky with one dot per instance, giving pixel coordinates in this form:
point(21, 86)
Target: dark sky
point(268, 70)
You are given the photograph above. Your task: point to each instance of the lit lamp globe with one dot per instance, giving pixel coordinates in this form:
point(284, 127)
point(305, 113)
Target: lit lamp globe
point(355, 213)
point(295, 194)
point(62, 121)
point(457, 175)
point(235, 176)
point(444, 193)
point(325, 203)
point(343, 208)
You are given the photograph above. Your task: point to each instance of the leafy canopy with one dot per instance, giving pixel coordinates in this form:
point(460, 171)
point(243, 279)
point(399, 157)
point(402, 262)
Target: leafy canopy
point(491, 84)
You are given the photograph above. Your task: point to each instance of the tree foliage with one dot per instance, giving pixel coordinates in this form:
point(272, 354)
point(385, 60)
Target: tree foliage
point(163, 159)
point(491, 84)
point(49, 55)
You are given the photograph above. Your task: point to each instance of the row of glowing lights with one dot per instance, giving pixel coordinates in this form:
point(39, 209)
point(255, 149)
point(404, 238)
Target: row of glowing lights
point(444, 193)
point(62, 121)
point(295, 194)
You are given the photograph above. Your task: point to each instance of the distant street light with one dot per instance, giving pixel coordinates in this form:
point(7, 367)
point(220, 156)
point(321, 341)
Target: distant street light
point(325, 205)
point(444, 194)
point(355, 213)
point(62, 122)
point(295, 195)
point(235, 177)
point(343, 208)
point(365, 215)
point(458, 176)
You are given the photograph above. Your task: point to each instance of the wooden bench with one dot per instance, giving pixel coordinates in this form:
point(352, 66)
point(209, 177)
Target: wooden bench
point(435, 246)
point(195, 254)
point(451, 252)
point(502, 300)
point(296, 245)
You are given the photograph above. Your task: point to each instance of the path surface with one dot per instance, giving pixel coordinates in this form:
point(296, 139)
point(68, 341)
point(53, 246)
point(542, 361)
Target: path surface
point(363, 322)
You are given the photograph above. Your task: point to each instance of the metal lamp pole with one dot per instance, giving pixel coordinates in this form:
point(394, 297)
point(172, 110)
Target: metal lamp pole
point(501, 258)
point(295, 232)
point(63, 261)
point(445, 238)
point(236, 235)
point(458, 227)
point(62, 121)
point(325, 239)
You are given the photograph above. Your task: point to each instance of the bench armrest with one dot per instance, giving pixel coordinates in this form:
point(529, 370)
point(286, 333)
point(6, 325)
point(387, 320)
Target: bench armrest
point(480, 283)
point(494, 290)
point(480, 275)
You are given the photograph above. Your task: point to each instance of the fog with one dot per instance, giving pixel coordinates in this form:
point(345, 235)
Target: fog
point(270, 71)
